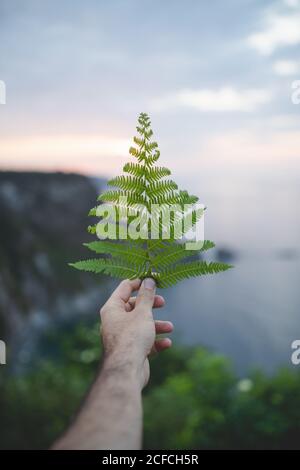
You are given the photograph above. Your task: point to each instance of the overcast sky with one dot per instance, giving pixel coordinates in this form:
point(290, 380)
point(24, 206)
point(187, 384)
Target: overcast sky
point(215, 76)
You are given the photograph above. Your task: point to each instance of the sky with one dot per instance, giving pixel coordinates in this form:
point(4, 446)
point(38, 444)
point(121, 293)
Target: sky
point(215, 77)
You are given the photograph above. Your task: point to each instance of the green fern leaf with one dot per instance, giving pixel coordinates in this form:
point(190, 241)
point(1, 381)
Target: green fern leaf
point(114, 196)
point(127, 183)
point(143, 184)
point(121, 250)
point(184, 271)
point(134, 169)
point(156, 173)
point(114, 268)
point(161, 188)
point(176, 252)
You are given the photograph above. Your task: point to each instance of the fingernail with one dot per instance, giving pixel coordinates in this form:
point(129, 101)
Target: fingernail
point(149, 283)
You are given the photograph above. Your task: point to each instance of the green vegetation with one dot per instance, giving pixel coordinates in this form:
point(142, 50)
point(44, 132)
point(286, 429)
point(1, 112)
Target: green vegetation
point(194, 400)
point(147, 238)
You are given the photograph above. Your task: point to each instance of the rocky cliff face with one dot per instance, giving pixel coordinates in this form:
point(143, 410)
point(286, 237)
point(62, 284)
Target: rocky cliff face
point(43, 219)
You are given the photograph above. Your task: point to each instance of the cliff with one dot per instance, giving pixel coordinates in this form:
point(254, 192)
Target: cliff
point(43, 220)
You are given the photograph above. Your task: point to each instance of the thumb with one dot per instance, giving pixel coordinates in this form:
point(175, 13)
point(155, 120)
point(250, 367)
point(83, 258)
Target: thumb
point(146, 295)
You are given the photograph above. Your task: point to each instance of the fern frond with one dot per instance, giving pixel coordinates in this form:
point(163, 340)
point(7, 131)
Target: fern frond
point(149, 147)
point(127, 183)
point(93, 212)
point(152, 174)
point(164, 200)
point(164, 223)
point(156, 173)
point(148, 134)
point(142, 185)
point(91, 229)
point(93, 265)
point(185, 198)
point(176, 252)
point(159, 189)
point(144, 120)
point(121, 250)
point(183, 271)
point(138, 141)
point(134, 169)
point(115, 227)
point(180, 198)
point(143, 157)
point(114, 268)
point(151, 159)
point(170, 255)
point(187, 222)
point(134, 151)
point(114, 196)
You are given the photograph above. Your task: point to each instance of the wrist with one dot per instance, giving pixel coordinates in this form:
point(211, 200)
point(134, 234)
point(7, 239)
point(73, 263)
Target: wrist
point(125, 366)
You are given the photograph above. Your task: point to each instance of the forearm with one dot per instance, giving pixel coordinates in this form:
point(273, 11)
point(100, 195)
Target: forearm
point(111, 417)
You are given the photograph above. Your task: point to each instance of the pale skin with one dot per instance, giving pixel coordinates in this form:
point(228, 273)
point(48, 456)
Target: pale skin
point(111, 416)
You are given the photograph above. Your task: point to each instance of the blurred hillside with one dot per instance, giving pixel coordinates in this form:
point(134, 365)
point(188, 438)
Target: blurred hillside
point(43, 219)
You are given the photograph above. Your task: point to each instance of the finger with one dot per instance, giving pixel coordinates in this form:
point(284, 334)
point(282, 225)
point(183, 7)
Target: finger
point(124, 290)
point(161, 344)
point(163, 327)
point(159, 302)
point(146, 294)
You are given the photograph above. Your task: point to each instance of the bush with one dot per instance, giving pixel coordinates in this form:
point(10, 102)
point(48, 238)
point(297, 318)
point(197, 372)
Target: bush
point(194, 400)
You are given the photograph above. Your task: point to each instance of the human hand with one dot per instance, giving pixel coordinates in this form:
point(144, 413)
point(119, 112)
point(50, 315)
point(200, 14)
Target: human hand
point(129, 330)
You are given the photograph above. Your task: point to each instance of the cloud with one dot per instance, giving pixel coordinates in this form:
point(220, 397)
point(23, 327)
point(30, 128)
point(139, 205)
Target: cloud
point(219, 100)
point(278, 31)
point(286, 68)
point(292, 3)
